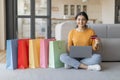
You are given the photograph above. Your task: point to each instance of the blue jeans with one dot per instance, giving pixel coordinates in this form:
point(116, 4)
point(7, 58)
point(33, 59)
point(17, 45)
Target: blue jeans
point(73, 62)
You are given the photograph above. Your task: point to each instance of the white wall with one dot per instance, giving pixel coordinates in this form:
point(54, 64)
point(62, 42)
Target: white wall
point(108, 11)
point(93, 8)
point(102, 10)
point(2, 25)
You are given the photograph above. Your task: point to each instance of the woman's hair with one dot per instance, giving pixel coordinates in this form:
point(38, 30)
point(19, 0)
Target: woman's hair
point(82, 14)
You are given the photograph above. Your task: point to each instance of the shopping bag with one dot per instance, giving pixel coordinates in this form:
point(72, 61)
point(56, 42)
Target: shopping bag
point(56, 48)
point(34, 53)
point(23, 53)
point(44, 52)
point(11, 54)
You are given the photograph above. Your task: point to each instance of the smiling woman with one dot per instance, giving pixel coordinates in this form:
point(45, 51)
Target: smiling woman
point(81, 36)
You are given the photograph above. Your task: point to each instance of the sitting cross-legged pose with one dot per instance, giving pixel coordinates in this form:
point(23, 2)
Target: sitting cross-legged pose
point(81, 36)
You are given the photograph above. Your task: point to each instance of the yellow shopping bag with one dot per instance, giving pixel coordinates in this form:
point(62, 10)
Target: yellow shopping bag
point(34, 53)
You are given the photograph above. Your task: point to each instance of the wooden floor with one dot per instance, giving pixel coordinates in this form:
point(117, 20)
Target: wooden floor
point(2, 57)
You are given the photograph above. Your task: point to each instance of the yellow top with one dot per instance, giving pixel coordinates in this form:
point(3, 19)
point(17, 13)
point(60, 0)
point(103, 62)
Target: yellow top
point(77, 38)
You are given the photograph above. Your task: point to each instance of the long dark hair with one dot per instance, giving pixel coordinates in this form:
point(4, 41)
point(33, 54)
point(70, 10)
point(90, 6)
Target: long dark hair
point(82, 14)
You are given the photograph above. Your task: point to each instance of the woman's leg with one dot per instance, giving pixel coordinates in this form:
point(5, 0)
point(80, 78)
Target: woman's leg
point(69, 61)
point(82, 64)
point(93, 62)
point(95, 59)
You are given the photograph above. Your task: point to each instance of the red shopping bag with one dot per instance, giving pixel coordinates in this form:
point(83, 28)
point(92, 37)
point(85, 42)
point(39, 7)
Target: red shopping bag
point(44, 52)
point(23, 53)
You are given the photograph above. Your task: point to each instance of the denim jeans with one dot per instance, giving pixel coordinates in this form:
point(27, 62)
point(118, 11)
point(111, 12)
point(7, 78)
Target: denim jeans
point(73, 62)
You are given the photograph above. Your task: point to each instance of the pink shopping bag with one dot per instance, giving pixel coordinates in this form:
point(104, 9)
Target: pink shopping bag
point(44, 52)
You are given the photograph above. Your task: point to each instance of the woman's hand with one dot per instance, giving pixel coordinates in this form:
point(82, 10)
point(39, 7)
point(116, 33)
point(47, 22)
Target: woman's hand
point(97, 42)
point(96, 39)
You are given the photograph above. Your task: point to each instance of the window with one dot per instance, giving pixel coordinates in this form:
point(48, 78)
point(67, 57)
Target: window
point(78, 8)
point(32, 18)
point(66, 10)
point(72, 10)
point(85, 8)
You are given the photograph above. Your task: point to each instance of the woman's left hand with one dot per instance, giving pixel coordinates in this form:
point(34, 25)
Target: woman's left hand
point(97, 41)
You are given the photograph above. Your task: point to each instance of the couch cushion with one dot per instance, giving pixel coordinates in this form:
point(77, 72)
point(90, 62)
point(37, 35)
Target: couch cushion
point(100, 29)
point(113, 31)
point(110, 49)
point(62, 30)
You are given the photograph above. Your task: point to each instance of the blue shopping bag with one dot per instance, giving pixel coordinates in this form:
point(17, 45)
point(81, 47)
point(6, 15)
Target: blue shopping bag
point(11, 54)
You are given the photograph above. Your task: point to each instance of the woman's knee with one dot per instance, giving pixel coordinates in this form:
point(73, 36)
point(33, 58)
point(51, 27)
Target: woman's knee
point(63, 57)
point(97, 57)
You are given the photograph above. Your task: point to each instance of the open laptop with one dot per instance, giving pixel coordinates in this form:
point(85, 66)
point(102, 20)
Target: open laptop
point(80, 51)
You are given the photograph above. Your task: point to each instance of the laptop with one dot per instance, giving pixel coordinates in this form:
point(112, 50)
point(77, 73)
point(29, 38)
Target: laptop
point(80, 51)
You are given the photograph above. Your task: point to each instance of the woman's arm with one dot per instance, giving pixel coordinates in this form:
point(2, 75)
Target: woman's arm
point(97, 44)
point(70, 42)
point(95, 41)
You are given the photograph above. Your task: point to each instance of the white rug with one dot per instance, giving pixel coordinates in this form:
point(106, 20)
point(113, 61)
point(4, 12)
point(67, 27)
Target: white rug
point(111, 71)
point(2, 66)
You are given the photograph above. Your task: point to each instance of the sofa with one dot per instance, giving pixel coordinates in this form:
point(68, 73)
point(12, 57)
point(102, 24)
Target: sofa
point(109, 35)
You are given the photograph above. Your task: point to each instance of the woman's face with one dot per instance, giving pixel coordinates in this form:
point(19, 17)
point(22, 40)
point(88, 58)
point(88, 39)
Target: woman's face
point(81, 21)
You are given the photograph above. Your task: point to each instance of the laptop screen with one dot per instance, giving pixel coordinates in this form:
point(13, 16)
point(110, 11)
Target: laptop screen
point(80, 51)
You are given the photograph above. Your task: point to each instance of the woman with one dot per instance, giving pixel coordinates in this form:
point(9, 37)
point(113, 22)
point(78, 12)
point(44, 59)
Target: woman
point(81, 36)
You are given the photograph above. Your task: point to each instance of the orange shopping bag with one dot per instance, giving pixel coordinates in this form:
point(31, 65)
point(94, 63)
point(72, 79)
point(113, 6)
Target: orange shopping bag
point(34, 53)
